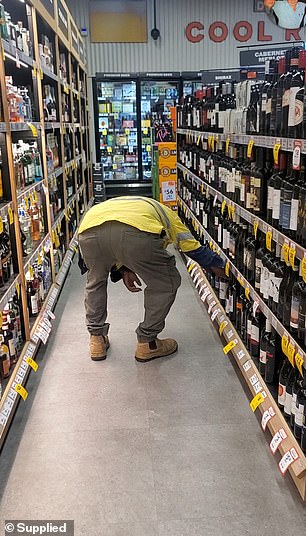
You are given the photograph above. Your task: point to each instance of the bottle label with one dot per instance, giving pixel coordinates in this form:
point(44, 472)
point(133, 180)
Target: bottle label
point(294, 214)
point(269, 106)
point(296, 107)
point(34, 304)
point(293, 404)
point(286, 98)
point(276, 286)
point(285, 212)
point(222, 290)
point(270, 198)
point(266, 283)
point(299, 418)
point(12, 348)
point(255, 334)
point(263, 357)
point(281, 394)
point(220, 234)
point(249, 328)
point(258, 270)
point(294, 318)
point(276, 204)
point(288, 403)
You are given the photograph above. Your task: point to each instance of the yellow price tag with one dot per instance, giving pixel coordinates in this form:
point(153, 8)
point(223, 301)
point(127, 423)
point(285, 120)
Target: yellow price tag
point(104, 132)
point(21, 391)
point(223, 326)
point(250, 148)
point(285, 343)
point(227, 269)
point(66, 90)
point(276, 149)
point(109, 150)
point(269, 240)
point(5, 348)
point(304, 269)
point(299, 360)
point(33, 129)
point(31, 271)
point(53, 236)
point(18, 290)
point(32, 363)
point(31, 199)
point(145, 131)
point(223, 207)
point(230, 346)
point(1, 225)
point(148, 148)
point(35, 196)
point(227, 144)
point(190, 267)
point(214, 248)
point(59, 228)
point(57, 241)
point(199, 139)
point(247, 293)
point(41, 74)
point(34, 72)
point(257, 400)
point(292, 254)
point(39, 259)
point(127, 131)
point(285, 251)
point(115, 166)
point(255, 227)
point(26, 201)
point(10, 215)
point(240, 281)
point(291, 353)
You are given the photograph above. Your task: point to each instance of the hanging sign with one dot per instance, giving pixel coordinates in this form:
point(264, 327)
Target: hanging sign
point(62, 18)
point(296, 156)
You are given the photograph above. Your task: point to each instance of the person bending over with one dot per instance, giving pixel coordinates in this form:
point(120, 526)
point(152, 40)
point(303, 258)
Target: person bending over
point(126, 237)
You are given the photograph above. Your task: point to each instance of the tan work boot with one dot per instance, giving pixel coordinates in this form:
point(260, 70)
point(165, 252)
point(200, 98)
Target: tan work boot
point(146, 351)
point(99, 345)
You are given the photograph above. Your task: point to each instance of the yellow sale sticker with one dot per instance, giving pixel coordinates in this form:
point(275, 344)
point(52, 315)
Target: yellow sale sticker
point(31, 272)
point(247, 293)
point(250, 148)
point(21, 391)
point(223, 326)
point(230, 346)
point(227, 144)
point(18, 290)
point(276, 149)
point(269, 240)
point(227, 269)
point(32, 364)
point(285, 343)
point(291, 353)
point(255, 227)
point(292, 254)
point(1, 225)
point(223, 207)
point(299, 360)
point(10, 215)
point(285, 252)
point(304, 269)
point(198, 140)
point(33, 129)
point(257, 400)
point(35, 196)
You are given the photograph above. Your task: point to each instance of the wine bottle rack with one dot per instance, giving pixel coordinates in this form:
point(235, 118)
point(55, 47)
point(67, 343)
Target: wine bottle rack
point(268, 142)
point(252, 377)
point(263, 226)
point(250, 292)
point(75, 173)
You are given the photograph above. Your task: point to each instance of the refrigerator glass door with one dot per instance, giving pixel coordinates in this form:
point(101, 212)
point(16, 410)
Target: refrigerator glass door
point(157, 97)
point(118, 129)
point(191, 86)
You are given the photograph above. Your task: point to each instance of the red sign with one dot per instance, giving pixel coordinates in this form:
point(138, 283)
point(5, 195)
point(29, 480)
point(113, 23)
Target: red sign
point(242, 31)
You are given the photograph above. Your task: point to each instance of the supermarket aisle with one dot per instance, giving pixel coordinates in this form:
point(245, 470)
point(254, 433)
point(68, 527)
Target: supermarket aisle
point(167, 448)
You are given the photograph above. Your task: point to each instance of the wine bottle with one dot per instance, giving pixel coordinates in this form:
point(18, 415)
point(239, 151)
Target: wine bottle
point(299, 420)
point(283, 379)
point(264, 344)
point(289, 390)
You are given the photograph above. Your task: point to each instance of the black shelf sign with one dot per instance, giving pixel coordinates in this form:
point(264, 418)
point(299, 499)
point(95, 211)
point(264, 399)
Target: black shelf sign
point(49, 5)
point(257, 58)
point(62, 18)
point(215, 77)
point(81, 50)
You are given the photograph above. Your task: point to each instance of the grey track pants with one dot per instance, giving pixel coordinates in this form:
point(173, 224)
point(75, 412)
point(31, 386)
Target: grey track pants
point(143, 253)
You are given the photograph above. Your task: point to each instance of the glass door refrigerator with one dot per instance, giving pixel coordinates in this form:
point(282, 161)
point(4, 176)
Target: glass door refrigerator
point(158, 94)
point(117, 130)
point(192, 82)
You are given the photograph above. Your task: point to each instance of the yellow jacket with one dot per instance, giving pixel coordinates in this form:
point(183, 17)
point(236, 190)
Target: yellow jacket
point(146, 215)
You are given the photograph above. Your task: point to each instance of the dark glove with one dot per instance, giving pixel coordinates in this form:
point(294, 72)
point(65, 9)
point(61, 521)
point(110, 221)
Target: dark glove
point(81, 264)
point(116, 275)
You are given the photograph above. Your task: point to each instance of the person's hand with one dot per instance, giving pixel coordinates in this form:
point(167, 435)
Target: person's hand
point(269, 3)
point(219, 272)
point(129, 279)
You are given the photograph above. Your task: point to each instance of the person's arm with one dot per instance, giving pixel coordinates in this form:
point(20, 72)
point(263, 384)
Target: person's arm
point(208, 260)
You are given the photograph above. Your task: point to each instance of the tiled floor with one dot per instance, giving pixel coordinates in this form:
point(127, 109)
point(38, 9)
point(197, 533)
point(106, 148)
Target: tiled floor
point(167, 448)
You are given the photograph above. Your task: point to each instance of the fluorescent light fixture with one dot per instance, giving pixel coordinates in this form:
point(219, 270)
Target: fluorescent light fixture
point(15, 59)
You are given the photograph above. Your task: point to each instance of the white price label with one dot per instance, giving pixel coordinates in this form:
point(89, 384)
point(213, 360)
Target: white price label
point(168, 191)
point(197, 277)
point(215, 314)
point(193, 271)
point(199, 282)
point(12, 394)
point(277, 439)
point(230, 334)
point(240, 354)
point(205, 295)
point(267, 416)
point(3, 419)
point(254, 379)
point(289, 457)
point(211, 305)
point(247, 366)
point(257, 387)
point(203, 287)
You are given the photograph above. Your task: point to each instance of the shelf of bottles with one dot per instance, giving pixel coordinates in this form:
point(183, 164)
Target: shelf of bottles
point(284, 441)
point(45, 179)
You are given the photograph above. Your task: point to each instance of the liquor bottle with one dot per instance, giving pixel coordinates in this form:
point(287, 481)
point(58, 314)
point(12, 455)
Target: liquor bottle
point(9, 342)
point(264, 345)
point(256, 331)
point(303, 436)
point(5, 362)
point(32, 295)
point(292, 70)
point(276, 98)
point(35, 223)
point(299, 420)
point(295, 389)
point(296, 99)
point(279, 273)
point(289, 390)
point(14, 309)
point(297, 308)
point(283, 379)
point(288, 294)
